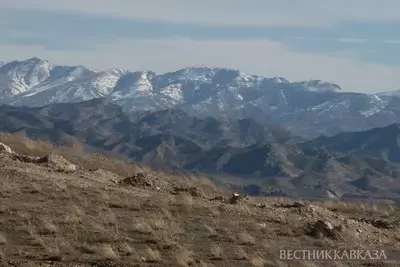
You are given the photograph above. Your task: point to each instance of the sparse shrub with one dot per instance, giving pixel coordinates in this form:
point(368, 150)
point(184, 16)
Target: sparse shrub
point(152, 255)
point(105, 251)
point(212, 232)
point(216, 252)
point(47, 227)
point(240, 254)
point(246, 239)
point(257, 261)
point(184, 257)
point(3, 240)
point(143, 228)
point(126, 249)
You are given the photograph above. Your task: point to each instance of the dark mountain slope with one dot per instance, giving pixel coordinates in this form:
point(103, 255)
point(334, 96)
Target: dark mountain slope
point(264, 158)
point(381, 142)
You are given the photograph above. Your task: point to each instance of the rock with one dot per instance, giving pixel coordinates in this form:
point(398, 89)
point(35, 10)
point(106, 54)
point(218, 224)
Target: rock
point(193, 191)
point(218, 198)
point(298, 204)
point(26, 159)
point(289, 206)
point(57, 163)
point(323, 229)
point(5, 149)
point(235, 198)
point(138, 179)
point(378, 223)
point(339, 228)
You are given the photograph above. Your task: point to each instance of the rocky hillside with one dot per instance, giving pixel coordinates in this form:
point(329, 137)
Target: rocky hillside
point(103, 212)
point(308, 108)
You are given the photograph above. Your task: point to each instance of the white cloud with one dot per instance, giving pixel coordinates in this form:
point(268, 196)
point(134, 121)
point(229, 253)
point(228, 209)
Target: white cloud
point(391, 41)
point(340, 40)
point(352, 40)
point(227, 12)
point(263, 57)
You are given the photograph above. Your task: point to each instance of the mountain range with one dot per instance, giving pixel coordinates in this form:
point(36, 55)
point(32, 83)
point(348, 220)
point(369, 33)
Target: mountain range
point(308, 108)
point(242, 153)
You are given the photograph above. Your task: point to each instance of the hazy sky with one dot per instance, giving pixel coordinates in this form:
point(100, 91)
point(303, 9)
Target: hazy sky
point(355, 43)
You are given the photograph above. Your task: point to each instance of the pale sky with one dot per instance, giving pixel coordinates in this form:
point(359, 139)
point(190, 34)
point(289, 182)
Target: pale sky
point(354, 43)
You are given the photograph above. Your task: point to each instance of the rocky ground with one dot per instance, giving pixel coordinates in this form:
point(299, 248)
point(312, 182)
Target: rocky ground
point(60, 207)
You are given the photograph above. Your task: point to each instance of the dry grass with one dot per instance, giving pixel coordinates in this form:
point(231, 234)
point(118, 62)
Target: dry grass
point(143, 227)
point(246, 239)
point(211, 231)
point(240, 254)
point(257, 261)
point(46, 227)
point(152, 255)
point(126, 249)
point(105, 251)
point(3, 240)
point(184, 257)
point(217, 252)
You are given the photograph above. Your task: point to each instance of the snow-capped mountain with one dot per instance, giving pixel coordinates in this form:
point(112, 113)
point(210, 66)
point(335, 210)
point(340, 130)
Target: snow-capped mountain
point(308, 107)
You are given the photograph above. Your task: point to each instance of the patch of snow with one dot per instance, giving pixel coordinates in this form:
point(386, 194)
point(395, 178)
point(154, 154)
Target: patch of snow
point(377, 105)
point(283, 97)
point(173, 91)
point(334, 107)
point(247, 80)
point(24, 75)
point(279, 80)
point(142, 87)
point(200, 74)
point(105, 81)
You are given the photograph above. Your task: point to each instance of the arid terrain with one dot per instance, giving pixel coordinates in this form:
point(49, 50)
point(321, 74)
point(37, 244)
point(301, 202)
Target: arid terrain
point(77, 209)
point(265, 160)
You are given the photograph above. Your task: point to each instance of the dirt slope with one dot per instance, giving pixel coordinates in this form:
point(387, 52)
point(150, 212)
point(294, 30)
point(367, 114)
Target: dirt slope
point(107, 213)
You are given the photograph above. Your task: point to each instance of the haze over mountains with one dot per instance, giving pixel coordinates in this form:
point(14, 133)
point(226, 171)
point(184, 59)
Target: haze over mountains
point(308, 108)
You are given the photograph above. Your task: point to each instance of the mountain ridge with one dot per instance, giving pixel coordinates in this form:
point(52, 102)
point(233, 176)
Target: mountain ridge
point(265, 159)
point(308, 108)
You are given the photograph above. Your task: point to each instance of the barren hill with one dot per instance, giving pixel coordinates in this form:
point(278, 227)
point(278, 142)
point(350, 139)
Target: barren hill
point(105, 212)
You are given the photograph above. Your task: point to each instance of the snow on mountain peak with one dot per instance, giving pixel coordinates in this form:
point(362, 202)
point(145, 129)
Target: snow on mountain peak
point(143, 84)
point(105, 81)
point(20, 76)
point(201, 74)
point(212, 89)
point(173, 91)
point(134, 85)
point(280, 80)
